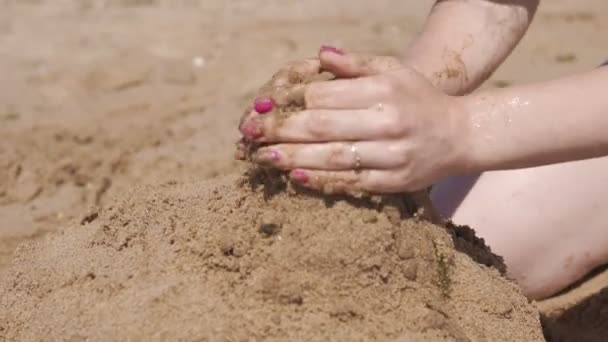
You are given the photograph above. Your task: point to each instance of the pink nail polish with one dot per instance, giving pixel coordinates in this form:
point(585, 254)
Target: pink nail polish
point(275, 156)
point(263, 105)
point(251, 132)
point(299, 176)
point(268, 156)
point(332, 49)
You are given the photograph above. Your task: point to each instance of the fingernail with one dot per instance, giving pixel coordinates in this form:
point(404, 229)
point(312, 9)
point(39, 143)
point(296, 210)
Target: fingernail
point(268, 156)
point(332, 49)
point(263, 105)
point(299, 176)
point(251, 131)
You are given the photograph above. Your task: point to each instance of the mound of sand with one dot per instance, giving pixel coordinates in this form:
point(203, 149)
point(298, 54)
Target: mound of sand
point(217, 261)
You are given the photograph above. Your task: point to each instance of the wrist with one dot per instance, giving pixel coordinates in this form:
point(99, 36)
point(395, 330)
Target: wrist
point(448, 80)
point(465, 138)
point(462, 154)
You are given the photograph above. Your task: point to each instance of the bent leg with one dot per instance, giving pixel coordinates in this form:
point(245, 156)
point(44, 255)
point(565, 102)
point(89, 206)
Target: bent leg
point(549, 223)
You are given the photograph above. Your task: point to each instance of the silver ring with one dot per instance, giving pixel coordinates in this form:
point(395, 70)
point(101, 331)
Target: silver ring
point(353, 149)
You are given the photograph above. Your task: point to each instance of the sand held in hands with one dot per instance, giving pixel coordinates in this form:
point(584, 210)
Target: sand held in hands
point(214, 261)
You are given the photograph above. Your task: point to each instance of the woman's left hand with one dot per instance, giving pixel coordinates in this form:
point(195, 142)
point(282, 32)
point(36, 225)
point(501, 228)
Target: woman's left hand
point(379, 133)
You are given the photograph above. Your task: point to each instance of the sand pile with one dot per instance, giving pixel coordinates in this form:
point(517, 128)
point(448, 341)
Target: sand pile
point(217, 261)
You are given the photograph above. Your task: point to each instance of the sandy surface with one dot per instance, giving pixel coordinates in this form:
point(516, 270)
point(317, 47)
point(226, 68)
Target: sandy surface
point(215, 261)
point(99, 96)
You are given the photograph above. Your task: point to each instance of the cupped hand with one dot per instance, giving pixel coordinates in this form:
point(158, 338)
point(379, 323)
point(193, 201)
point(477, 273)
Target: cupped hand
point(380, 128)
point(285, 90)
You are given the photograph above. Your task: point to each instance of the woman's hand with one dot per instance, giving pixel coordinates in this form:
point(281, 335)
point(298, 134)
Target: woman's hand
point(388, 130)
point(285, 87)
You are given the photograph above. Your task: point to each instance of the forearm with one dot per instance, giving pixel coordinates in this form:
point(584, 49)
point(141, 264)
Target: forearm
point(464, 41)
point(539, 124)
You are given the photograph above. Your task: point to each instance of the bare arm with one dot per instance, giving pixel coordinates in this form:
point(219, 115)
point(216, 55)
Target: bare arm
point(464, 41)
point(538, 124)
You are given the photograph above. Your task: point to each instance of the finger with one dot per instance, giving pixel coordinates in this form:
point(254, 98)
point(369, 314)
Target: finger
point(288, 97)
point(333, 156)
point(287, 89)
point(284, 87)
point(335, 94)
point(325, 125)
point(348, 93)
point(285, 98)
point(351, 182)
point(351, 65)
point(261, 105)
point(246, 116)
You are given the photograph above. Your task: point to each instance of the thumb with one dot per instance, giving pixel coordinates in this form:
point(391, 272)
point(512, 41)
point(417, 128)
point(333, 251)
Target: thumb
point(351, 65)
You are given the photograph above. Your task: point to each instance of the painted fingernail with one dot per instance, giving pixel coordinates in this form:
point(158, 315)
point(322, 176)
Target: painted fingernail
point(268, 156)
point(263, 105)
point(332, 49)
point(299, 176)
point(251, 131)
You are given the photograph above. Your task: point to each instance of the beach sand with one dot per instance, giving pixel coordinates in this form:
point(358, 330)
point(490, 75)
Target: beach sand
point(99, 98)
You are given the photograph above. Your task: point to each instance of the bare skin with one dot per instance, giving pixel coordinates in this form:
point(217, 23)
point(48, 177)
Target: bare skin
point(394, 127)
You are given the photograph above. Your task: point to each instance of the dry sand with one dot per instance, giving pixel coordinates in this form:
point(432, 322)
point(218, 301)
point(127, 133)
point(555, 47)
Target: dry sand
point(215, 261)
point(100, 96)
